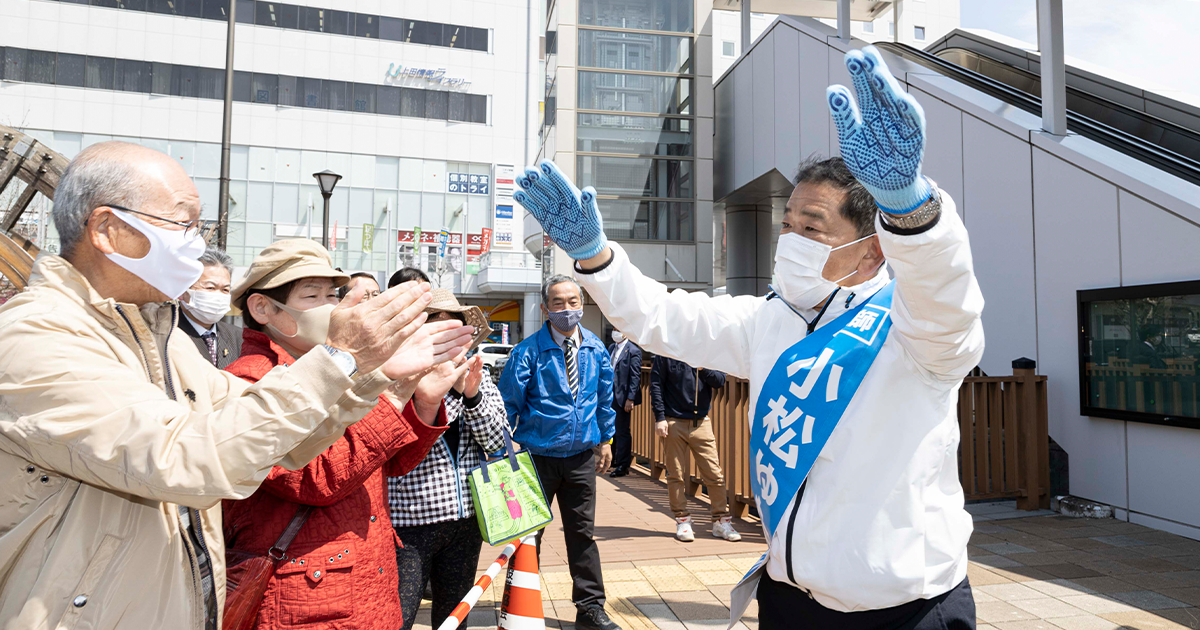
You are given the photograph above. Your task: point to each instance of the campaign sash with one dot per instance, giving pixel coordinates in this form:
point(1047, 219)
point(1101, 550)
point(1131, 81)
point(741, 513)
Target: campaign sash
point(799, 406)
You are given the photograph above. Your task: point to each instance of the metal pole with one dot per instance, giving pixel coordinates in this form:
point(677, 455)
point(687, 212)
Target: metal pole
point(226, 124)
point(896, 22)
point(745, 27)
point(843, 19)
point(325, 225)
point(1054, 70)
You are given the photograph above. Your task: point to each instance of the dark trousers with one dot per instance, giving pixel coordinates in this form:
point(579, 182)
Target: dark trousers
point(784, 606)
point(573, 481)
point(443, 554)
point(622, 439)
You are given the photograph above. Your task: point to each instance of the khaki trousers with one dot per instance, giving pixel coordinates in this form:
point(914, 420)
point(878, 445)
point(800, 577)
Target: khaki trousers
point(683, 438)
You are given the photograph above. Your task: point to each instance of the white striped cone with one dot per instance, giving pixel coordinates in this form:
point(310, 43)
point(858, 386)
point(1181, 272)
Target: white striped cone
point(521, 608)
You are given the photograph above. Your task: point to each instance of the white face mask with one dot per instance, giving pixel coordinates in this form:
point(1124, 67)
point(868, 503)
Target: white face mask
point(207, 307)
point(172, 264)
point(799, 263)
point(617, 337)
point(312, 326)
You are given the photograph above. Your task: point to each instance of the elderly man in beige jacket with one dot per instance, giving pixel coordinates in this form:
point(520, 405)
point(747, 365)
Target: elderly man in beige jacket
point(118, 440)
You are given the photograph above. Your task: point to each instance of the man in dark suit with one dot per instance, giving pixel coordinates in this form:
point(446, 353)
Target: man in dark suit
point(205, 303)
point(627, 392)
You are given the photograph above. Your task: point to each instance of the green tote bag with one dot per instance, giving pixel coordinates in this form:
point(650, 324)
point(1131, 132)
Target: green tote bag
point(508, 497)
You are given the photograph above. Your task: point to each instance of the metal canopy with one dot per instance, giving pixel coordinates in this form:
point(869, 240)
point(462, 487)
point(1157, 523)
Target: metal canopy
point(860, 10)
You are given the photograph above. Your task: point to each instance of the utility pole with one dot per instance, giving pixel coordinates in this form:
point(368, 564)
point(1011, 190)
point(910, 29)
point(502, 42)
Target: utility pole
point(226, 123)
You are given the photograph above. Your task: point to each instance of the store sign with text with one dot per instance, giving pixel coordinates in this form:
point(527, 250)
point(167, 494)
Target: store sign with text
point(424, 77)
point(469, 184)
point(502, 219)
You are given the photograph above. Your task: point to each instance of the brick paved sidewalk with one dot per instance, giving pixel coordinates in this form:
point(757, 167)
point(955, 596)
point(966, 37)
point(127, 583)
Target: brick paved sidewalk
point(1028, 572)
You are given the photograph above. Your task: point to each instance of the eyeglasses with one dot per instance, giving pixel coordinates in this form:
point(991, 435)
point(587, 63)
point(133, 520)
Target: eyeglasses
point(191, 229)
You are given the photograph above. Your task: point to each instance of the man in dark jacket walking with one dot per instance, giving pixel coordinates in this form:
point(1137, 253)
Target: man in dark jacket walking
point(626, 360)
point(681, 396)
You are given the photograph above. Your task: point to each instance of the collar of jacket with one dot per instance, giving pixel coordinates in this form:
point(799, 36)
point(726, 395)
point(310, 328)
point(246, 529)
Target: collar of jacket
point(545, 339)
point(255, 342)
point(54, 272)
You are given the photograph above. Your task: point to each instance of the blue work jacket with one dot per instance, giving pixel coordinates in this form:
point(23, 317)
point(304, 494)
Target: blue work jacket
point(547, 420)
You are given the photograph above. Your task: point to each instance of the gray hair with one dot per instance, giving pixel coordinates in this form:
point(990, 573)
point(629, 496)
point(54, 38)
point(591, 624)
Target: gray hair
point(96, 177)
point(213, 257)
point(557, 278)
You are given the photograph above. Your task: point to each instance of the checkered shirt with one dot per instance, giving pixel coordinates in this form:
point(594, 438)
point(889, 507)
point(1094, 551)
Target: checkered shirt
point(437, 489)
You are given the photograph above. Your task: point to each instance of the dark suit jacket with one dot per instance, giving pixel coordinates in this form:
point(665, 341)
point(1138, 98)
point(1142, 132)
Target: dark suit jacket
point(627, 375)
point(229, 340)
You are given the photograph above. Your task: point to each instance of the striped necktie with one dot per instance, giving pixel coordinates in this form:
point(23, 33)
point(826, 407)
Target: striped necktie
point(210, 339)
point(572, 367)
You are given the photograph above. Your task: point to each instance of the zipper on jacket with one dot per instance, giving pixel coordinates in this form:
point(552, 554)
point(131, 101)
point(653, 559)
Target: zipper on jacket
point(791, 528)
point(138, 340)
point(454, 461)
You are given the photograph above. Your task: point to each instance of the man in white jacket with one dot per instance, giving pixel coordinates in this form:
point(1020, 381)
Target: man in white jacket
point(866, 522)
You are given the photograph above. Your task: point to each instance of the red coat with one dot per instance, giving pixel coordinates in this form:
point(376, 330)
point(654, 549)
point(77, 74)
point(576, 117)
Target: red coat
point(341, 568)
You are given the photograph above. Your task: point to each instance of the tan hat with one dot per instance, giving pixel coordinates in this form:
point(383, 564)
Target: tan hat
point(284, 261)
point(444, 302)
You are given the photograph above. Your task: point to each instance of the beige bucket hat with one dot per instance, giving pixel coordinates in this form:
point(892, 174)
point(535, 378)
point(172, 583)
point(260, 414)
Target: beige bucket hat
point(284, 261)
point(444, 302)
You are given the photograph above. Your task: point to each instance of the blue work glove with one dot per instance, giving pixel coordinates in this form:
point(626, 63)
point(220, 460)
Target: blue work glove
point(568, 216)
point(882, 137)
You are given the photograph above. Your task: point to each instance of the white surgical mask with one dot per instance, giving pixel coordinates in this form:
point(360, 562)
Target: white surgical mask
point(312, 326)
point(172, 264)
point(617, 337)
point(207, 307)
point(799, 263)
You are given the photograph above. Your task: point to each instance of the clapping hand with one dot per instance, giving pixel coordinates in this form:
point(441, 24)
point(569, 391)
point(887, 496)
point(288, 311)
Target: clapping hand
point(468, 384)
point(882, 136)
point(568, 216)
point(436, 383)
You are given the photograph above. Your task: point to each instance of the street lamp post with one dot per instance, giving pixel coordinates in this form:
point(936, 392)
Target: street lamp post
point(326, 179)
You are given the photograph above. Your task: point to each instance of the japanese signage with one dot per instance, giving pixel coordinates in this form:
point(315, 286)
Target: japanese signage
point(502, 220)
point(368, 237)
point(429, 76)
point(485, 241)
point(470, 184)
point(443, 238)
point(405, 237)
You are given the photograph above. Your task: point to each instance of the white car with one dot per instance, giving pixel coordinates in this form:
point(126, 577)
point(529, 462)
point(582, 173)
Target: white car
point(491, 353)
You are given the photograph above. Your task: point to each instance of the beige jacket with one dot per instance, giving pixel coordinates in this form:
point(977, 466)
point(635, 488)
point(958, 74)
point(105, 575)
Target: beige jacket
point(109, 420)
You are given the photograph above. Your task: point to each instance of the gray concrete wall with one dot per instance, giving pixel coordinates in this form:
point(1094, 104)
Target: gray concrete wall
point(1047, 216)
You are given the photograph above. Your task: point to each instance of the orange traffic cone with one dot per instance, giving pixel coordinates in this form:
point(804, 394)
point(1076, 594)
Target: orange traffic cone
point(521, 608)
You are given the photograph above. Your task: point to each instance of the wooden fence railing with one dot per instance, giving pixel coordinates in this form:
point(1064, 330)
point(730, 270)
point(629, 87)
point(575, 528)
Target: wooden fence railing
point(1002, 424)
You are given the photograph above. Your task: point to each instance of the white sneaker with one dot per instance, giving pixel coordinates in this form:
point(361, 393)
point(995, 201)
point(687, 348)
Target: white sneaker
point(723, 528)
point(683, 529)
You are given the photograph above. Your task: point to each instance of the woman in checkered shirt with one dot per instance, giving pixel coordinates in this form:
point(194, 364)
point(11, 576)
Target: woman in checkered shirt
point(431, 506)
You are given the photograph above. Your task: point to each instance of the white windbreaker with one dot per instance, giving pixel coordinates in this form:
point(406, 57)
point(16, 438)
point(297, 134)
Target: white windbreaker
point(881, 522)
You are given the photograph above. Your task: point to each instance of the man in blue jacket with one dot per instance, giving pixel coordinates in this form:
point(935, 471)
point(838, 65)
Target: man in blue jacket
point(558, 390)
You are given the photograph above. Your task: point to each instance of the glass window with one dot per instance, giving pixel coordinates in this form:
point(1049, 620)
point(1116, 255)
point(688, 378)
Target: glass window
point(289, 16)
point(132, 76)
point(427, 33)
point(387, 172)
point(919, 32)
point(634, 93)
point(245, 11)
point(391, 28)
point(70, 70)
point(41, 67)
point(635, 51)
point(337, 22)
point(286, 204)
point(267, 14)
point(387, 100)
point(208, 160)
point(163, 6)
point(638, 135)
point(1139, 349)
point(727, 49)
point(632, 219)
point(636, 177)
point(412, 102)
point(216, 9)
point(551, 42)
point(132, 5)
point(265, 88)
point(190, 8)
point(287, 167)
point(99, 73)
point(15, 64)
point(185, 81)
point(411, 171)
point(458, 107)
point(366, 25)
point(891, 29)
point(868, 27)
point(258, 202)
point(312, 19)
point(477, 103)
point(453, 36)
point(362, 210)
point(477, 39)
point(243, 83)
point(211, 83)
point(287, 92)
point(262, 164)
point(364, 98)
point(648, 15)
point(336, 95)
point(437, 105)
point(313, 94)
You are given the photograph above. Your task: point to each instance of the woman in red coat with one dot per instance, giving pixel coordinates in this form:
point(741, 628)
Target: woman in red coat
point(340, 571)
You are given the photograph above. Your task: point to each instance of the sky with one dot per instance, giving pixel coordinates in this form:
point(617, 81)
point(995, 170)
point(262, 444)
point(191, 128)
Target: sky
point(1149, 43)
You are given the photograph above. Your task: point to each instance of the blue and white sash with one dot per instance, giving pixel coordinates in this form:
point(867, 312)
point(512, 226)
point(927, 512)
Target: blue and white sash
point(799, 406)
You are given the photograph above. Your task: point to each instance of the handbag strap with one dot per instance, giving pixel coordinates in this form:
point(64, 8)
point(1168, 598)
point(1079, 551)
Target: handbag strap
point(512, 457)
point(278, 551)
